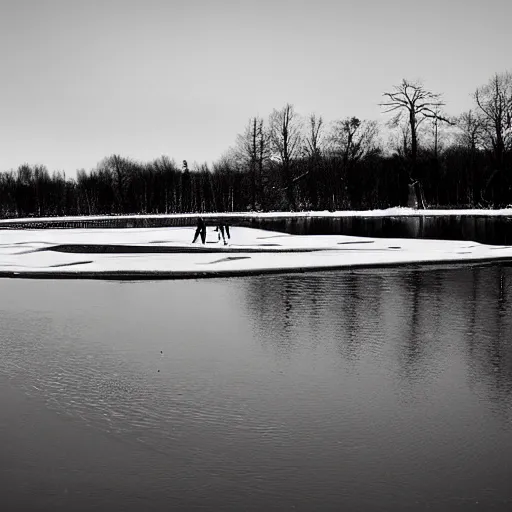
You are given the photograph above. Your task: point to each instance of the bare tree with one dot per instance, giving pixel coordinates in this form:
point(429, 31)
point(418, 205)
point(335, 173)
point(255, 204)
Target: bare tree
point(400, 141)
point(410, 100)
point(314, 139)
point(252, 150)
point(470, 130)
point(314, 145)
point(352, 139)
point(494, 103)
point(349, 141)
point(286, 143)
point(414, 102)
point(118, 170)
point(469, 138)
point(167, 169)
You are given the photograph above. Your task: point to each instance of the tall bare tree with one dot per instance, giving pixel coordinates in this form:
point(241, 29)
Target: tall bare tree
point(314, 142)
point(469, 139)
point(349, 141)
point(414, 104)
point(285, 128)
point(494, 104)
point(352, 139)
point(314, 138)
point(252, 150)
point(399, 141)
point(470, 131)
point(119, 170)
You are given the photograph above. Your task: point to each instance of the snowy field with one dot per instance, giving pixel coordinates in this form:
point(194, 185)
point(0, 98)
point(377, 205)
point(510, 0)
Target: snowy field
point(169, 253)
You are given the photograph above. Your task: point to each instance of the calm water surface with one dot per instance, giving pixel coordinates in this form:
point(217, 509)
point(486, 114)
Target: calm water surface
point(366, 390)
point(486, 230)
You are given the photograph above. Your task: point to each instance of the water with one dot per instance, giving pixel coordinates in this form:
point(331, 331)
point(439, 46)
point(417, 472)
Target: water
point(486, 230)
point(366, 390)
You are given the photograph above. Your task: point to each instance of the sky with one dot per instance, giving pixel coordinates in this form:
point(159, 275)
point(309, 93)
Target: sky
point(82, 80)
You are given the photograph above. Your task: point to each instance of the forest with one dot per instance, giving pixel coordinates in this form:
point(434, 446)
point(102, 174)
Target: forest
point(421, 157)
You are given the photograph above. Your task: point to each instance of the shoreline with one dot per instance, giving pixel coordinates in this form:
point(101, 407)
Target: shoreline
point(170, 275)
point(378, 213)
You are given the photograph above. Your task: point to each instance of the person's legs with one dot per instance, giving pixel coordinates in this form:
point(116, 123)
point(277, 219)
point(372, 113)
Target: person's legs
point(227, 231)
point(203, 235)
point(198, 230)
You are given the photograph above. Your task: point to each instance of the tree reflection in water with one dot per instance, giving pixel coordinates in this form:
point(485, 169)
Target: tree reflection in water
point(411, 322)
point(487, 230)
point(490, 349)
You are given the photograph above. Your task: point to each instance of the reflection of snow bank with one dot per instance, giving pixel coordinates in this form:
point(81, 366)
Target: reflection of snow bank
point(169, 253)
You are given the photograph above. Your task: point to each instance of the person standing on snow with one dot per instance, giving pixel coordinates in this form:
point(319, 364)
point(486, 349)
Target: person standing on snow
point(200, 230)
point(221, 228)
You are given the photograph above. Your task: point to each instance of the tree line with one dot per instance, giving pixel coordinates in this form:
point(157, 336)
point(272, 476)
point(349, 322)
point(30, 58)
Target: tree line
point(421, 157)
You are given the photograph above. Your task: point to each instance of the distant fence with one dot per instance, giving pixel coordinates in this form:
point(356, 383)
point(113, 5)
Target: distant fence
point(118, 222)
point(246, 219)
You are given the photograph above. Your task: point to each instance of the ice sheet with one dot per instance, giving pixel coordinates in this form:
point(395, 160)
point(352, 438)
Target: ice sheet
point(169, 253)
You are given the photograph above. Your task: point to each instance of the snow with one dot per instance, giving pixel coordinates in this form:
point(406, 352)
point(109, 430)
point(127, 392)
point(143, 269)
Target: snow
point(143, 253)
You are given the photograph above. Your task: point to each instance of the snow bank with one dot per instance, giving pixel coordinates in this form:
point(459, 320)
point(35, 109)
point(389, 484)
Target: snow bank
point(169, 253)
point(389, 212)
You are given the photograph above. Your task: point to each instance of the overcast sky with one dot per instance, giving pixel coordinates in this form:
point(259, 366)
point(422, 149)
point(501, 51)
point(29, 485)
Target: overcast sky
point(81, 80)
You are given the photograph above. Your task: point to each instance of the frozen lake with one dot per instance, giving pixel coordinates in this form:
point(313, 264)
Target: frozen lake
point(356, 390)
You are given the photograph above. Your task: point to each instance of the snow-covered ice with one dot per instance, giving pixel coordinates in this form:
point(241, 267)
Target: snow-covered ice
point(169, 253)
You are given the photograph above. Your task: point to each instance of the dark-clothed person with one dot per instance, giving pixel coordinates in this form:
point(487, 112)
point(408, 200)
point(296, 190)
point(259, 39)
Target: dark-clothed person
point(200, 230)
point(221, 229)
